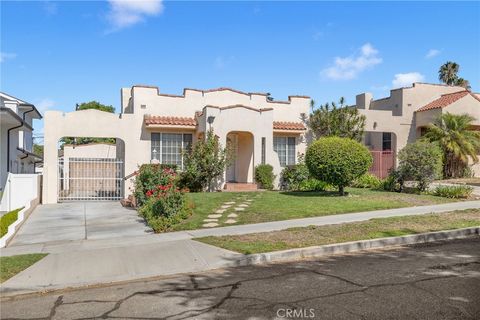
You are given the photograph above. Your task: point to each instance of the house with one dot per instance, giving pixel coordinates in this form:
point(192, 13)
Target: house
point(154, 127)
point(16, 142)
point(401, 118)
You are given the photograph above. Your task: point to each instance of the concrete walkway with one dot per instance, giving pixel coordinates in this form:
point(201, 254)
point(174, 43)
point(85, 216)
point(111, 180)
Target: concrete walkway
point(89, 262)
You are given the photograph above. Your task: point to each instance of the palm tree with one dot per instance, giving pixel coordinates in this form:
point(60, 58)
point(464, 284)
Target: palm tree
point(458, 141)
point(448, 73)
point(463, 83)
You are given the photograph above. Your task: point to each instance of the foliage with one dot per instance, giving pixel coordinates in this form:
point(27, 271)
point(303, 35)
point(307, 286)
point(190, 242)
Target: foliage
point(312, 184)
point(264, 176)
point(38, 149)
point(457, 141)
point(393, 183)
point(163, 203)
point(342, 121)
point(421, 162)
point(86, 140)
point(150, 176)
point(448, 75)
point(455, 192)
point(7, 219)
point(204, 163)
point(337, 161)
point(297, 178)
point(367, 180)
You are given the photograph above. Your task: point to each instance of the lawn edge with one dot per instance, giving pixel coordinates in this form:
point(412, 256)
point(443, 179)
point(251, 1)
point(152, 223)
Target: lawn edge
point(353, 246)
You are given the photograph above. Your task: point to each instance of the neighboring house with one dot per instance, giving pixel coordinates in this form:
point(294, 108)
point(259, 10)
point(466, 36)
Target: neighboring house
point(90, 150)
point(402, 117)
point(16, 146)
point(155, 127)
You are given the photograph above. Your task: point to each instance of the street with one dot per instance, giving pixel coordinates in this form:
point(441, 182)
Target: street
point(429, 281)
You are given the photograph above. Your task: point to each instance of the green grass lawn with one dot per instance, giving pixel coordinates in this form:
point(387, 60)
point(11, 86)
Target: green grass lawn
point(322, 235)
point(10, 266)
point(7, 219)
point(272, 206)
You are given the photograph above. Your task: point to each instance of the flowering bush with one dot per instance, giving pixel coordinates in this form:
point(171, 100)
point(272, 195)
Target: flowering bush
point(163, 203)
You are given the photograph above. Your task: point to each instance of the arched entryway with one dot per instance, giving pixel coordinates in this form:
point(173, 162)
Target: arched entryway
point(241, 170)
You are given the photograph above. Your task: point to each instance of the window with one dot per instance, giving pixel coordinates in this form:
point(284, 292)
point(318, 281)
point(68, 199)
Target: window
point(167, 147)
point(285, 149)
point(263, 150)
point(387, 141)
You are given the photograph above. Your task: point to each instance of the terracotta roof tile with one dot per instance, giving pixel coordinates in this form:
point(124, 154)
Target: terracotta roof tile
point(285, 125)
point(445, 100)
point(170, 121)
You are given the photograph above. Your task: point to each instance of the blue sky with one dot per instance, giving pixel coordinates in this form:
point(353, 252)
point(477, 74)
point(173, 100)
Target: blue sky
point(56, 54)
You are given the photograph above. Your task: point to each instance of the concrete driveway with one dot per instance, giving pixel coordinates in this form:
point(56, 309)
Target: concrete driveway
point(73, 221)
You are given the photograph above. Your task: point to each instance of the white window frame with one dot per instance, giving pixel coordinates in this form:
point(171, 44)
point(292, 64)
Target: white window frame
point(160, 146)
point(288, 148)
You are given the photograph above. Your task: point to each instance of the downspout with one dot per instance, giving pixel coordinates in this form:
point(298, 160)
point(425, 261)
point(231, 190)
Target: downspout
point(8, 137)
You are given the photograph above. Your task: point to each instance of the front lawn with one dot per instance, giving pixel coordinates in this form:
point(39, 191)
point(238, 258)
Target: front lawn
point(329, 234)
point(10, 266)
point(7, 219)
point(272, 206)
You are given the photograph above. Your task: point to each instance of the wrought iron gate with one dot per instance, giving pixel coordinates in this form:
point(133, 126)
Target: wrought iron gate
point(90, 179)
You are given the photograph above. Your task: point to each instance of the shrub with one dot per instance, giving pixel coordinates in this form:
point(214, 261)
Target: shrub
point(337, 161)
point(392, 183)
point(7, 219)
point(421, 162)
point(264, 176)
point(294, 175)
point(455, 192)
point(204, 163)
point(149, 176)
point(312, 184)
point(367, 181)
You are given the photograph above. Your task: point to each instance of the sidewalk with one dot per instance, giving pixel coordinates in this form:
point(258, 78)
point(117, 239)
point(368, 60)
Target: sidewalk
point(91, 262)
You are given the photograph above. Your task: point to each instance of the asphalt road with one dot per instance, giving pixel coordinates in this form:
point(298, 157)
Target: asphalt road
point(433, 281)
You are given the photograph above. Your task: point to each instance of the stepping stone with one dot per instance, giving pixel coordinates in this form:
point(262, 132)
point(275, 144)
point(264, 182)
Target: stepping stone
point(243, 205)
point(226, 206)
point(239, 209)
point(214, 216)
point(220, 211)
point(232, 215)
point(210, 225)
point(231, 202)
point(210, 220)
point(249, 200)
point(230, 221)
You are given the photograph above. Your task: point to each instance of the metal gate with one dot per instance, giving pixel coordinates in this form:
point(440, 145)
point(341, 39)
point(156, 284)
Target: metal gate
point(90, 179)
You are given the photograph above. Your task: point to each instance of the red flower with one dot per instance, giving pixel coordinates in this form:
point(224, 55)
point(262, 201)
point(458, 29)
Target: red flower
point(149, 193)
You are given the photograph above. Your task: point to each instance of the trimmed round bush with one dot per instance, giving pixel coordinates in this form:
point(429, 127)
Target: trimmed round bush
point(337, 161)
point(264, 176)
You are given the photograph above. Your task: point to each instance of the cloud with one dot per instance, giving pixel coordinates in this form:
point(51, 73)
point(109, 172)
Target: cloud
point(350, 67)
point(222, 62)
point(4, 56)
point(432, 53)
point(50, 8)
point(44, 105)
point(126, 13)
point(406, 79)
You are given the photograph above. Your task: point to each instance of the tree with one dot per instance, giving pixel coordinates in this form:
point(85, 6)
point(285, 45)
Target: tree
point(421, 162)
point(448, 74)
point(38, 149)
point(86, 140)
point(337, 161)
point(456, 139)
point(206, 161)
point(332, 120)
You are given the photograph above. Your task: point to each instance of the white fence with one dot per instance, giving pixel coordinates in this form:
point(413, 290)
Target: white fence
point(20, 190)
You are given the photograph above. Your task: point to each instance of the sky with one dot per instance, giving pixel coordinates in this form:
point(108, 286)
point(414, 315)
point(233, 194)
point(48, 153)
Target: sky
point(55, 54)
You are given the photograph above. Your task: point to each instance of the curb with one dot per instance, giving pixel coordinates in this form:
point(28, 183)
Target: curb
point(354, 246)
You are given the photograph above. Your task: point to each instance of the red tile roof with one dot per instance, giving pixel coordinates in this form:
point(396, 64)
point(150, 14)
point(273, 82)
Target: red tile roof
point(170, 121)
point(446, 100)
point(285, 125)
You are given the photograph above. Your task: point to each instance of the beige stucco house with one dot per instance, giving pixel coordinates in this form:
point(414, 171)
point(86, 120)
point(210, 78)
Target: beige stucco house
point(155, 127)
point(401, 118)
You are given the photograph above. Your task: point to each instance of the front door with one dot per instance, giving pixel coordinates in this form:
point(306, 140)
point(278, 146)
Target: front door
point(232, 143)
